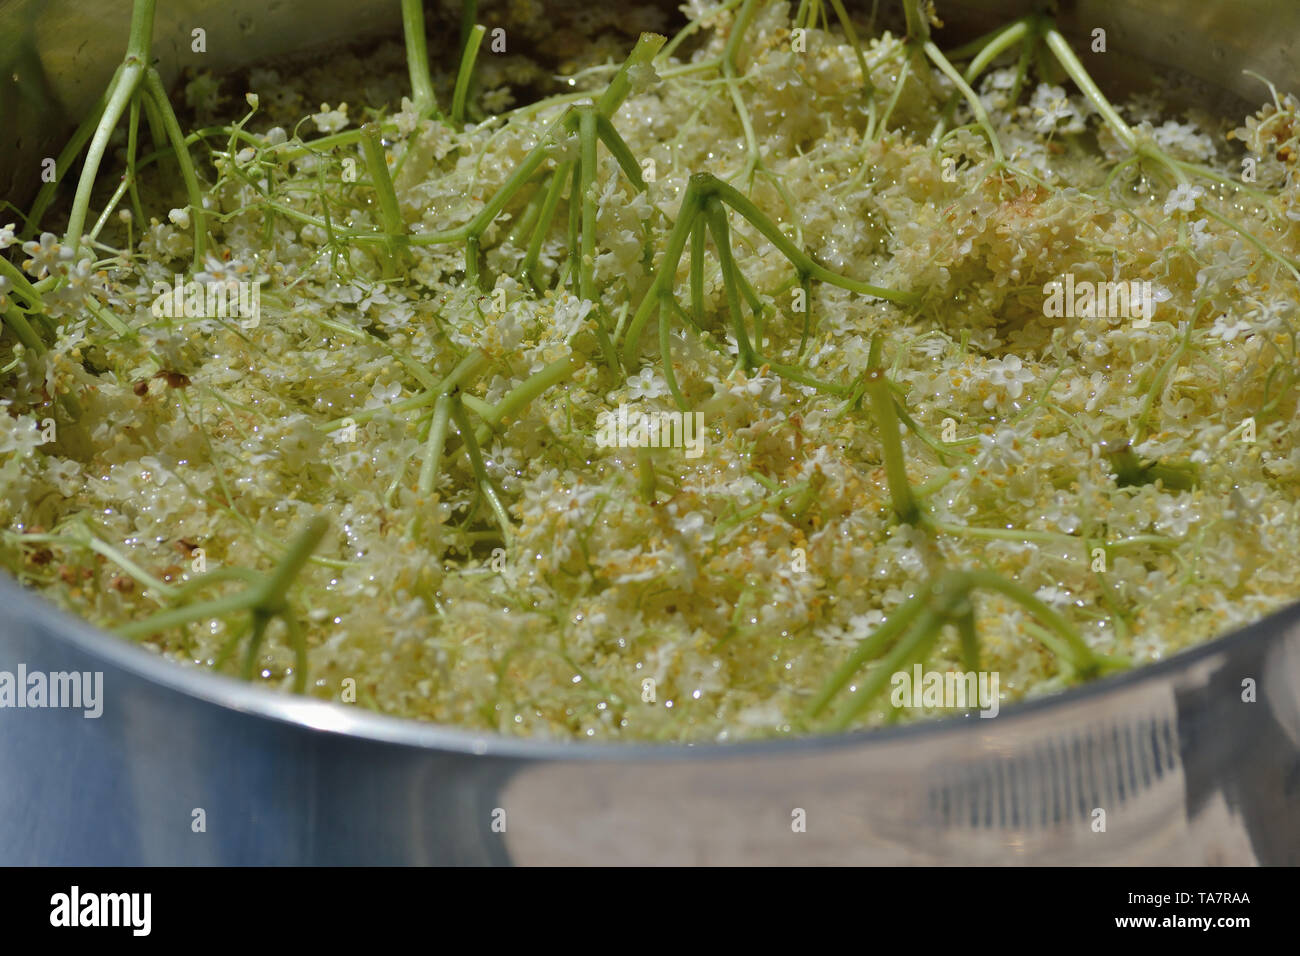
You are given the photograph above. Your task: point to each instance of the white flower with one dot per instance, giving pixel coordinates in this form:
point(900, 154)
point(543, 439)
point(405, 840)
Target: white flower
point(510, 332)
point(407, 118)
point(381, 394)
point(1200, 238)
point(331, 121)
point(1058, 597)
point(564, 149)
point(1002, 79)
point(569, 314)
point(7, 236)
point(692, 523)
point(1183, 196)
point(1062, 513)
point(1010, 375)
point(1226, 267)
point(1001, 450)
point(933, 347)
point(642, 76)
point(497, 100)
point(375, 295)
point(1183, 138)
point(220, 270)
point(164, 241)
point(1272, 316)
point(47, 255)
point(21, 435)
point(180, 217)
point(1175, 514)
point(1051, 108)
point(71, 293)
point(645, 384)
point(759, 387)
point(1228, 330)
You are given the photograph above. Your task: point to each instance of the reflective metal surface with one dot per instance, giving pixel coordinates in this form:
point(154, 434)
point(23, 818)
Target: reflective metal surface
point(1183, 766)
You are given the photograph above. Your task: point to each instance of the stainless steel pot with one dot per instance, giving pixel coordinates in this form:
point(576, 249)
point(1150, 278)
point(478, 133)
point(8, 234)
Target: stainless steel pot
point(1186, 770)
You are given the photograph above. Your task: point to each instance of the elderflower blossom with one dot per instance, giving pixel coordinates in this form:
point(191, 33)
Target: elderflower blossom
point(47, 255)
point(331, 120)
point(1008, 376)
point(1183, 197)
point(527, 576)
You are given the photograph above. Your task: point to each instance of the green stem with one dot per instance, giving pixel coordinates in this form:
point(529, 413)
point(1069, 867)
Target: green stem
point(882, 407)
point(698, 235)
point(299, 645)
point(647, 45)
point(20, 284)
point(717, 217)
point(1065, 56)
point(121, 90)
point(132, 148)
point(390, 212)
point(16, 321)
point(205, 610)
point(476, 465)
point(158, 96)
point(417, 57)
point(981, 115)
point(271, 596)
point(586, 189)
point(870, 648)
point(1081, 657)
point(798, 258)
point(260, 623)
point(465, 73)
point(730, 54)
point(666, 353)
point(912, 646)
point(433, 447)
point(918, 27)
point(964, 617)
point(692, 206)
point(645, 468)
point(521, 395)
point(554, 191)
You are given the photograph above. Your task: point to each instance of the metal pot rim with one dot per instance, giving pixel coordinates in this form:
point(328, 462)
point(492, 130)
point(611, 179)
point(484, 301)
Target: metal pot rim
point(356, 722)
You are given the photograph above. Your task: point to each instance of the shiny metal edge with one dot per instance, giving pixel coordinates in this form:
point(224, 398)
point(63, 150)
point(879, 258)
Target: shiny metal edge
point(22, 607)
